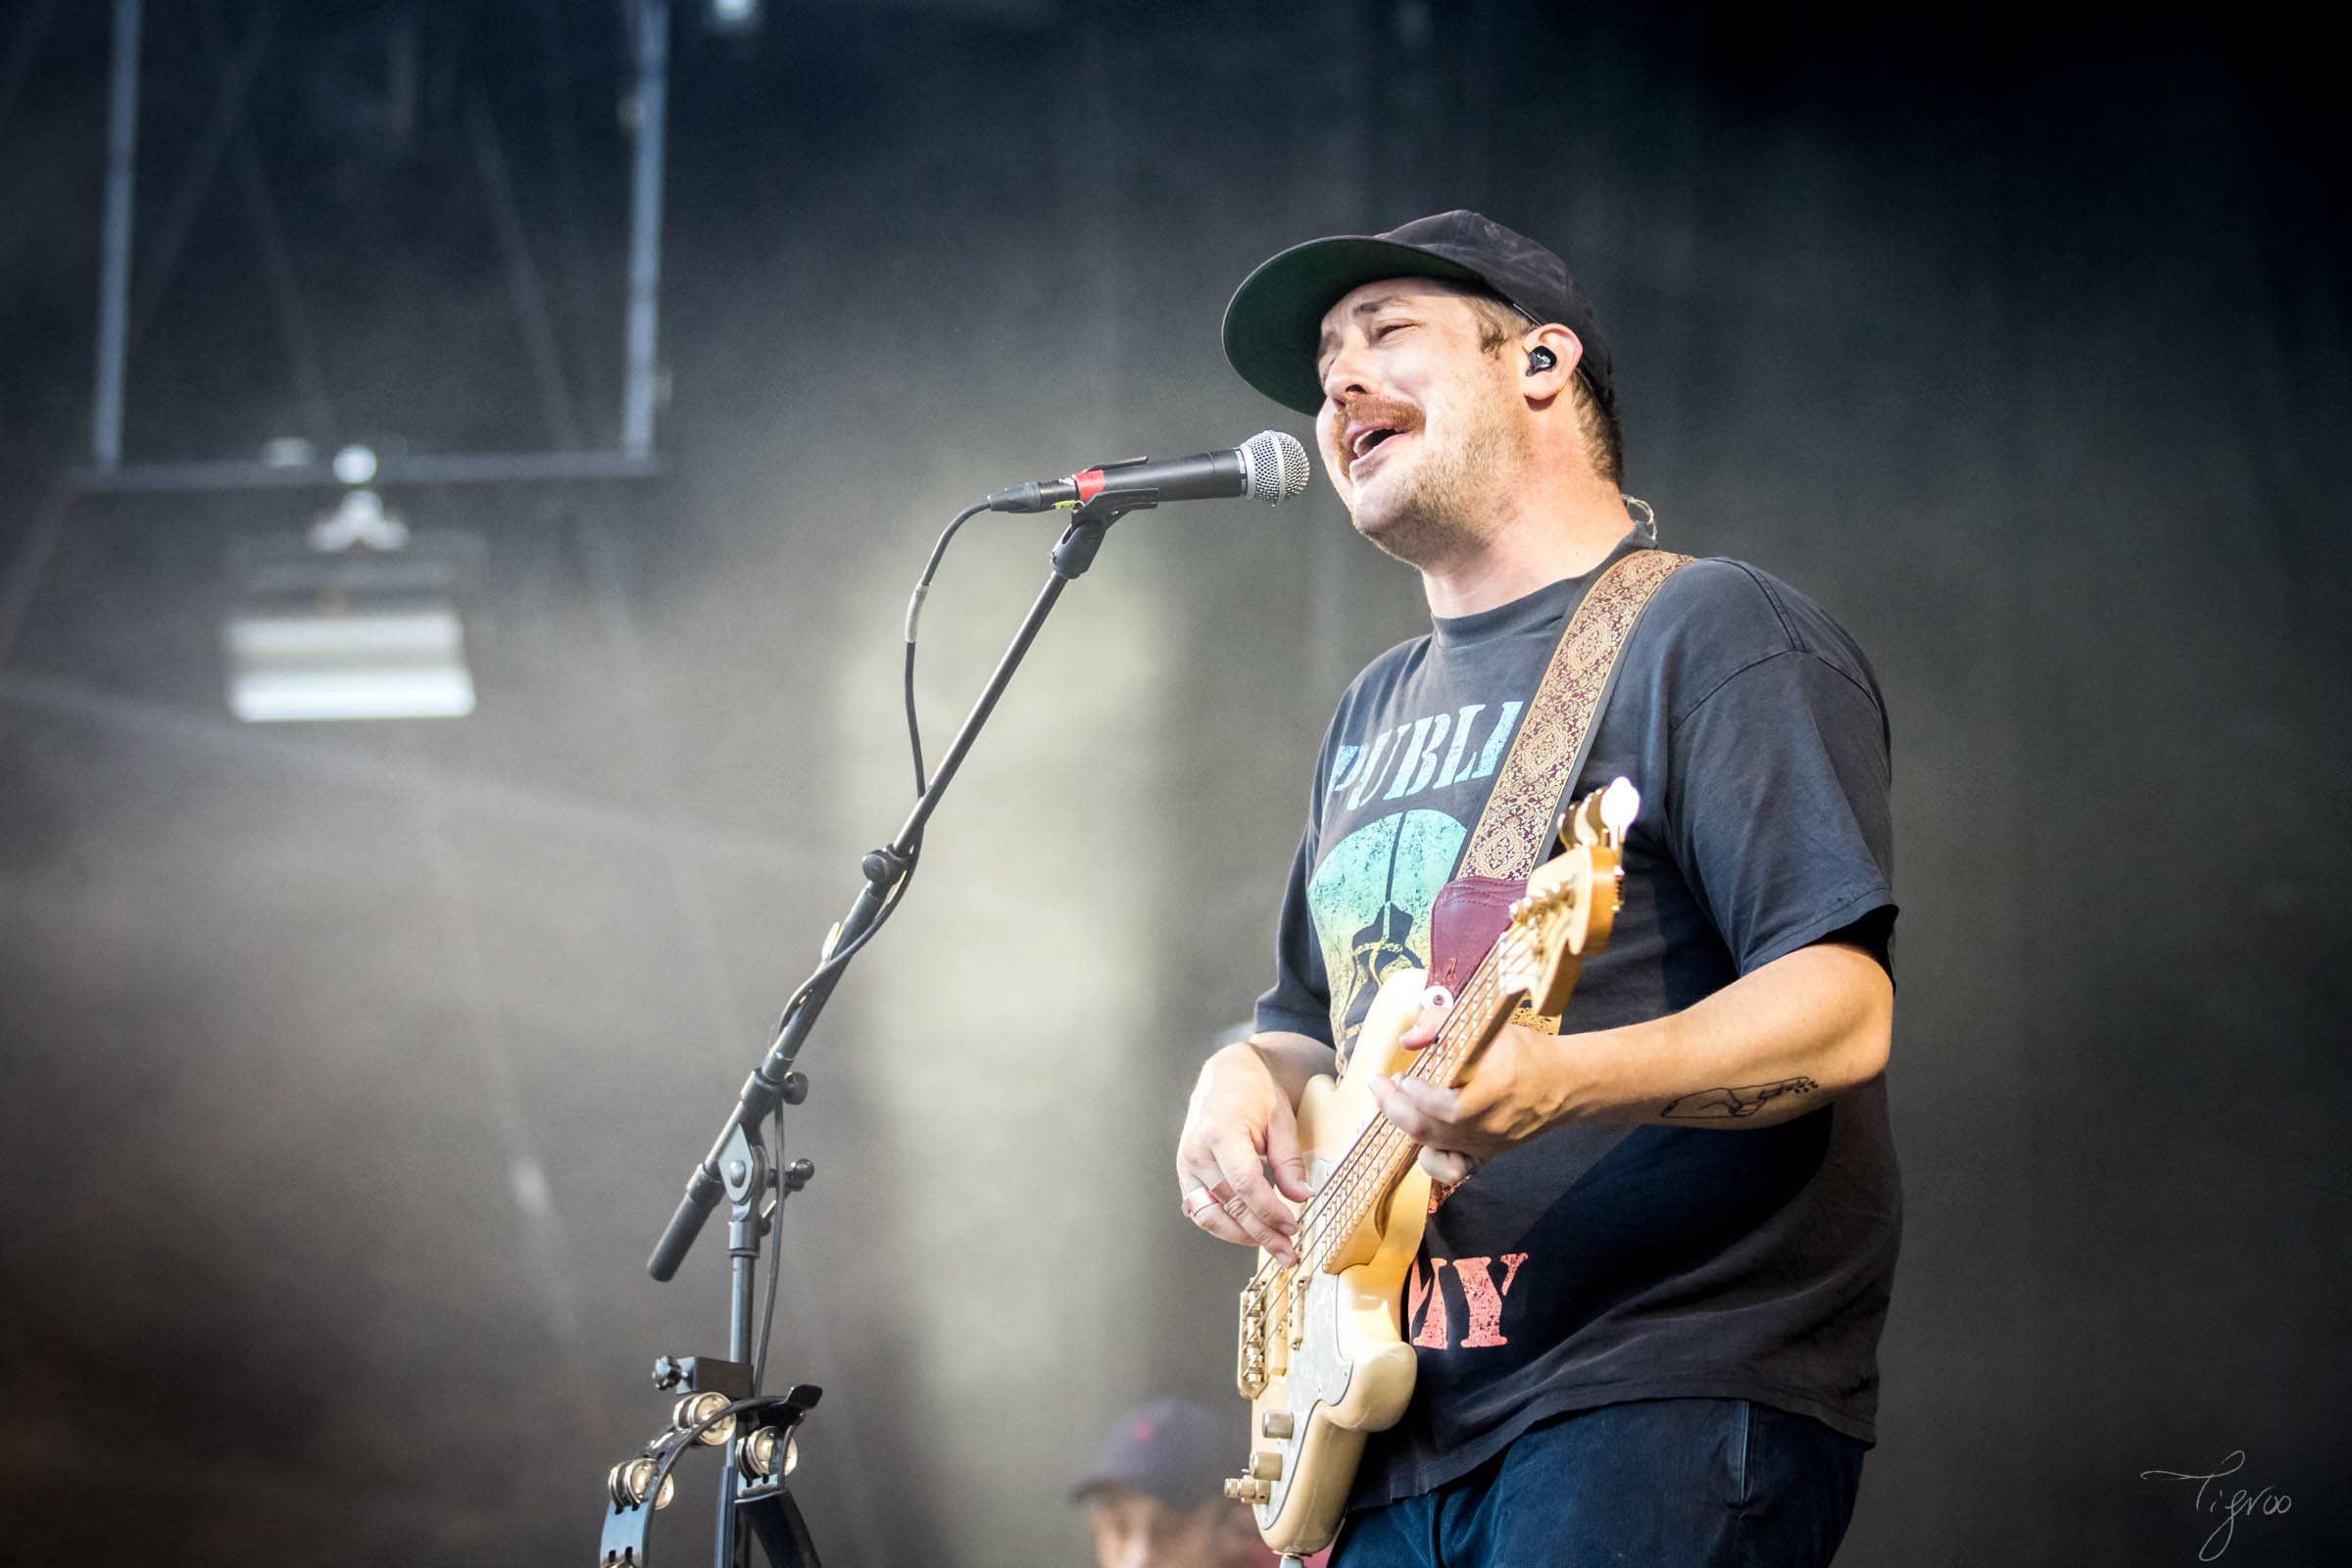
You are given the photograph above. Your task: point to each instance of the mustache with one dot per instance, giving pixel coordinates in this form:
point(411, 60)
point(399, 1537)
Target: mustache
point(1379, 411)
point(1371, 409)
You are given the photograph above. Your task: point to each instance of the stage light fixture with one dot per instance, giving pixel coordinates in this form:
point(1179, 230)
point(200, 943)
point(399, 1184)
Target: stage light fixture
point(738, 17)
point(355, 620)
point(360, 518)
point(355, 464)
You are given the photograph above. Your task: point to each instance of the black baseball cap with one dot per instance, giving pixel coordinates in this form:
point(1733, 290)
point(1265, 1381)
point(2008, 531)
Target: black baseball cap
point(1171, 1449)
point(1274, 323)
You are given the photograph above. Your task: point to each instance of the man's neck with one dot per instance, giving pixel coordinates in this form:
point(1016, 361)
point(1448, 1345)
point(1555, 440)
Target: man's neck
point(1558, 537)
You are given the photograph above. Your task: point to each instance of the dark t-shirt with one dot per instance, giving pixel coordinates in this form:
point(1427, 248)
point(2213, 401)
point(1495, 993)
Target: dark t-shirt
point(1596, 1263)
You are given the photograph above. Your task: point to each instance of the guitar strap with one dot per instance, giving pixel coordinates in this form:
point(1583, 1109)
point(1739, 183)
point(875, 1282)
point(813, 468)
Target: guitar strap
point(1555, 737)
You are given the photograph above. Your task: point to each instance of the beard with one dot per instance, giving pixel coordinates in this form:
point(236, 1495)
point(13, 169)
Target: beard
point(1444, 500)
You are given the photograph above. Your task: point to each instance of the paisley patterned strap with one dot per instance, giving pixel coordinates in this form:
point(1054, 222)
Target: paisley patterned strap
point(1556, 734)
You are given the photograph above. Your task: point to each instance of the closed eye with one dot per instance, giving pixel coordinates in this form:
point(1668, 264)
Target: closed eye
point(1373, 333)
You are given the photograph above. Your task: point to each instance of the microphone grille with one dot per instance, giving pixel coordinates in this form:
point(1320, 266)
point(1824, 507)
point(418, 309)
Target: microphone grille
point(1274, 462)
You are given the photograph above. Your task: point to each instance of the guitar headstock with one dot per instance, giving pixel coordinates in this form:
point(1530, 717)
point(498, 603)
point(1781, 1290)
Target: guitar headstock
point(1571, 901)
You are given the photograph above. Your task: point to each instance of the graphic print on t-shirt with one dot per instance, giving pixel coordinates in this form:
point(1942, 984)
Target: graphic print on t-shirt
point(1412, 764)
point(1371, 896)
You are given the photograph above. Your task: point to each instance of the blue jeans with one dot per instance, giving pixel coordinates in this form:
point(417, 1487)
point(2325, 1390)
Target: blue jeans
point(1656, 1484)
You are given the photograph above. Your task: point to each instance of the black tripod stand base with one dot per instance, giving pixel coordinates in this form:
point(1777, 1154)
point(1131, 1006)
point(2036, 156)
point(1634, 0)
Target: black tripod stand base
point(775, 1521)
point(771, 1516)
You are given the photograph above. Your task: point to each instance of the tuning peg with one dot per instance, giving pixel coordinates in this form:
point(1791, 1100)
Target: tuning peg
point(1620, 803)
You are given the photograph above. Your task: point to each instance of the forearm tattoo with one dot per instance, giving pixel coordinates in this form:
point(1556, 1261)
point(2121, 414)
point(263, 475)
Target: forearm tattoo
point(1728, 1105)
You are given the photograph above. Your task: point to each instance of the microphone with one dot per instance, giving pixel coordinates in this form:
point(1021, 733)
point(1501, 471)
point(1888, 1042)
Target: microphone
point(1268, 466)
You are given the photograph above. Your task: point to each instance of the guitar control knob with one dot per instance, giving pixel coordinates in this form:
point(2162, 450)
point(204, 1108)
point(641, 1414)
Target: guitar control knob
point(1265, 1464)
point(1276, 1424)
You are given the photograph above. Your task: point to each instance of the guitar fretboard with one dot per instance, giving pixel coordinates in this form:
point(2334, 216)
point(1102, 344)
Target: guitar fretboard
point(1375, 1162)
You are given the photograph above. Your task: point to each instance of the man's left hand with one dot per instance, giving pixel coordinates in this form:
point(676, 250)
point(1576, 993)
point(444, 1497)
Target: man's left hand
point(1517, 1090)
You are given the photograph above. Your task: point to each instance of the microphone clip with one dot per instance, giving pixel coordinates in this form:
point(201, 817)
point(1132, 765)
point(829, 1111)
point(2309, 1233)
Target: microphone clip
point(1091, 519)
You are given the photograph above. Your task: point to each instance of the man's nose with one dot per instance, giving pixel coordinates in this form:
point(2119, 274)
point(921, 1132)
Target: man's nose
point(1349, 373)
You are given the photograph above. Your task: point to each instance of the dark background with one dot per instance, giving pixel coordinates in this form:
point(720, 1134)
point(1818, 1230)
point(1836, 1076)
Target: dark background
point(350, 1070)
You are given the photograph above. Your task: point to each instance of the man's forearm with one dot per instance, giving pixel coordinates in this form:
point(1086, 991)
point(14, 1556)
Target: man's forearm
point(1770, 1046)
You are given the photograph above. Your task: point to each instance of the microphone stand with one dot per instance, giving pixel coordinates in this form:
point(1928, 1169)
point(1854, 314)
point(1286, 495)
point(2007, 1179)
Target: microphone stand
point(738, 1165)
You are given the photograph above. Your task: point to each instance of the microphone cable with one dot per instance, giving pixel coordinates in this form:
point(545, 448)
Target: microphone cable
point(775, 1261)
point(915, 611)
point(834, 960)
point(914, 739)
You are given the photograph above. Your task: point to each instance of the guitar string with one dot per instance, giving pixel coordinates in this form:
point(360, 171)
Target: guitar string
point(1377, 1145)
point(1438, 1064)
point(1387, 1149)
point(1340, 1192)
point(1381, 1139)
point(1354, 1189)
point(1346, 1192)
point(1439, 1056)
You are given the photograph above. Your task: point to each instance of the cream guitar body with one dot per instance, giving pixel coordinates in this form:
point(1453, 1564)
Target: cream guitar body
point(1343, 1369)
point(1323, 1358)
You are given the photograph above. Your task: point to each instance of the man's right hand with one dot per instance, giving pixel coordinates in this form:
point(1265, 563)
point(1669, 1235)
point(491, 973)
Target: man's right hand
point(1242, 1124)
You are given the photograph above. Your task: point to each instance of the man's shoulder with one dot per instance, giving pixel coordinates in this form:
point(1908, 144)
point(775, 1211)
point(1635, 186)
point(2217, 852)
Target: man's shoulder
point(1718, 617)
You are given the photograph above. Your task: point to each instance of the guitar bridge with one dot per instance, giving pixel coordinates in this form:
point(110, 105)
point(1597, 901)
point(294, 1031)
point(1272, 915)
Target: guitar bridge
point(1251, 1375)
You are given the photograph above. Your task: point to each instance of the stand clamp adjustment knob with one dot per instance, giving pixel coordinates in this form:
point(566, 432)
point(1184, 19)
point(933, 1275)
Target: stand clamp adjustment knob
point(886, 866)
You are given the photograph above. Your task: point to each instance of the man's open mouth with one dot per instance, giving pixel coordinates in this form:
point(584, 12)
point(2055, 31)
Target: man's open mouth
point(1369, 440)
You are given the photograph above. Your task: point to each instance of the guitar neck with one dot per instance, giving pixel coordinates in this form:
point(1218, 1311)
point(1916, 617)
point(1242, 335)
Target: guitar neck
point(1479, 1014)
point(1381, 1153)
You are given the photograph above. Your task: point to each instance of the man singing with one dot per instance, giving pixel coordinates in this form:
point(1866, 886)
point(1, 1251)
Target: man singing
point(1646, 1308)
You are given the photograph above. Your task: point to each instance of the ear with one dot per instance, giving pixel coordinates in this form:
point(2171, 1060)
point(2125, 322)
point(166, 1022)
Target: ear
point(1540, 383)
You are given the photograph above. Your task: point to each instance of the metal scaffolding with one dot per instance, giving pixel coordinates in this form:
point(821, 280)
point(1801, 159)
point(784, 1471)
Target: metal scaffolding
point(566, 459)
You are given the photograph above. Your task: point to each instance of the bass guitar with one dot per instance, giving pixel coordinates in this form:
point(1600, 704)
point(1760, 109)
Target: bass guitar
point(1323, 1359)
